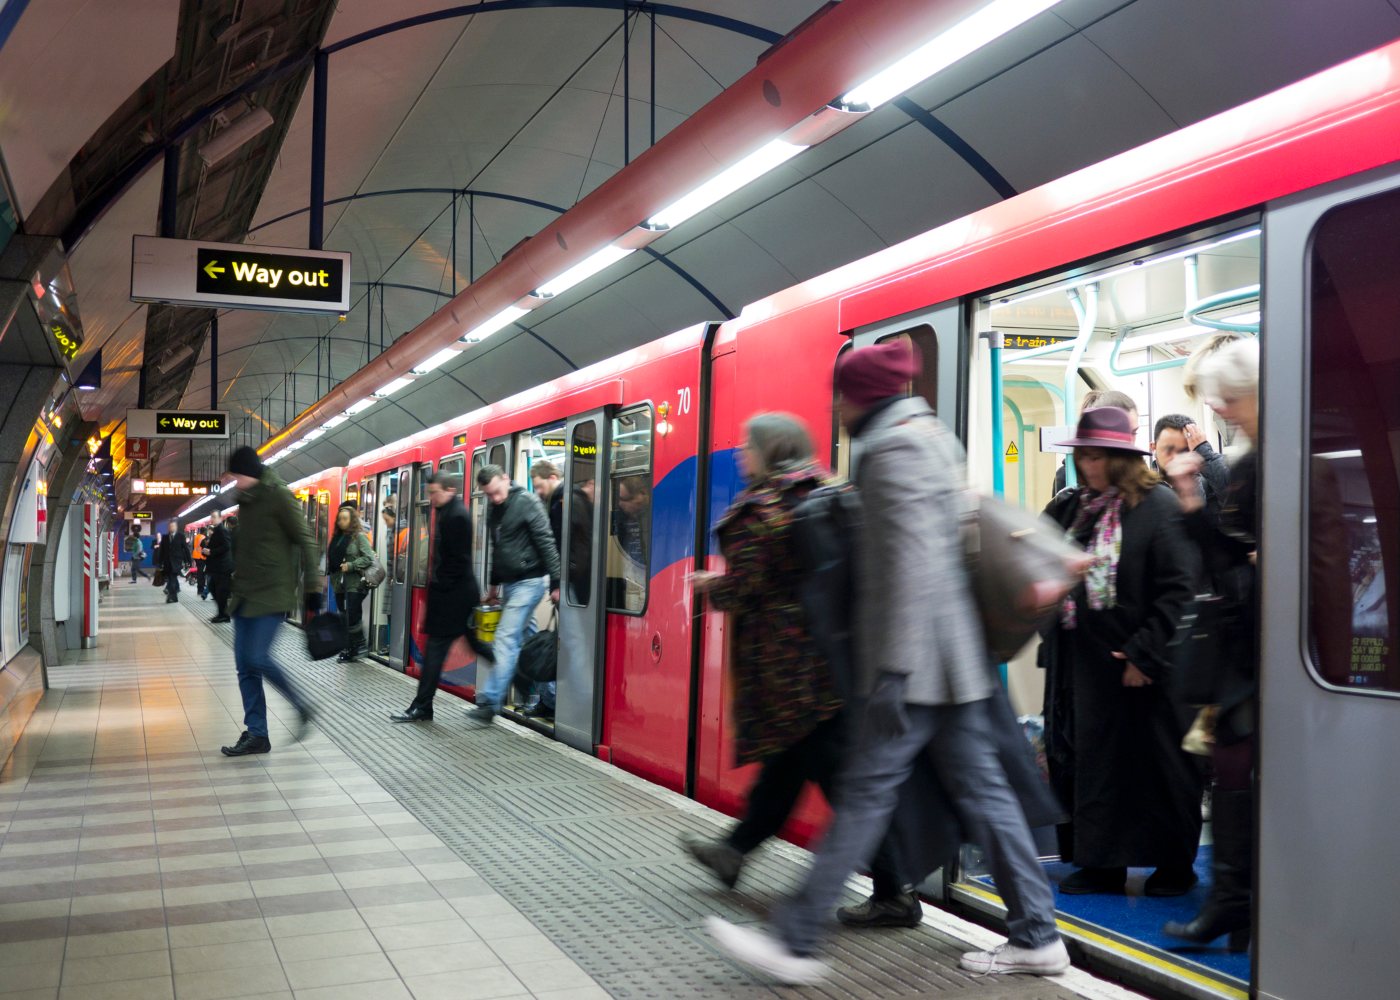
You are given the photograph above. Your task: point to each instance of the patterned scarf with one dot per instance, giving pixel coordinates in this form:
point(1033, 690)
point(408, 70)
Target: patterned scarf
point(1102, 511)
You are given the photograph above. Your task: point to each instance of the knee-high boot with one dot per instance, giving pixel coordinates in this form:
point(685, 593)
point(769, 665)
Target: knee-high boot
point(1227, 908)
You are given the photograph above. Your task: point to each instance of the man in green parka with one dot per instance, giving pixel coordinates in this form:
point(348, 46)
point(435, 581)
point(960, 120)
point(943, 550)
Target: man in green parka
point(272, 537)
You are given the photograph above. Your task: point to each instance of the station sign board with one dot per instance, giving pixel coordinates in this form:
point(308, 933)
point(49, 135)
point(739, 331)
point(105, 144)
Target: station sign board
point(172, 488)
point(139, 515)
point(138, 449)
point(236, 276)
point(189, 424)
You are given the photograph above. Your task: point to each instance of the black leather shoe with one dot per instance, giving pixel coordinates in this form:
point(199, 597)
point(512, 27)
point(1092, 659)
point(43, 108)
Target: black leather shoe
point(412, 715)
point(482, 713)
point(1087, 881)
point(219, 619)
point(1170, 882)
point(903, 910)
point(247, 744)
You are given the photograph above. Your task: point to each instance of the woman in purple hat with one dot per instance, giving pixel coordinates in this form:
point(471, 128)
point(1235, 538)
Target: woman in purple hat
point(1113, 730)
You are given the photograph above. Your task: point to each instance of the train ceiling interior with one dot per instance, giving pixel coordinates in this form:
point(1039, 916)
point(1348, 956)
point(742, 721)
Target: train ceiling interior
point(519, 112)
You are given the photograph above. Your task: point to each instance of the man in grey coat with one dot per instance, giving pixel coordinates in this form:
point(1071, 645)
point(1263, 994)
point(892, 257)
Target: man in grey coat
point(924, 678)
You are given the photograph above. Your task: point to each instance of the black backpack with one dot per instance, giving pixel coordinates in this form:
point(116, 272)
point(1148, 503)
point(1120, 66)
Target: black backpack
point(539, 656)
point(823, 532)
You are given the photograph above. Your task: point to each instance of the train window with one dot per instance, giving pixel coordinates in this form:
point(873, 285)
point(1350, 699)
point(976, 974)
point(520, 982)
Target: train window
point(925, 339)
point(629, 530)
point(1354, 481)
point(478, 505)
point(498, 457)
point(582, 484)
point(401, 533)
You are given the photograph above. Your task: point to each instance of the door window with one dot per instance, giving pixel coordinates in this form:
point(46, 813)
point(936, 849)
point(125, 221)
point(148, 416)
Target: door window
point(422, 519)
point(629, 529)
point(578, 511)
point(478, 516)
point(401, 528)
point(1354, 447)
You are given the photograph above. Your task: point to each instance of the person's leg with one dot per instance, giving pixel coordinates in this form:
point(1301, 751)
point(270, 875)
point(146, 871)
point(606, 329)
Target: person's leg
point(433, 657)
point(771, 799)
point(250, 686)
point(867, 792)
point(520, 599)
point(218, 586)
point(354, 614)
point(964, 752)
point(263, 631)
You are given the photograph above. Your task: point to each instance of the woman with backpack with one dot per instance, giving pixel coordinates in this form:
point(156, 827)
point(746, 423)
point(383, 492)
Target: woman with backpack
point(347, 559)
point(787, 713)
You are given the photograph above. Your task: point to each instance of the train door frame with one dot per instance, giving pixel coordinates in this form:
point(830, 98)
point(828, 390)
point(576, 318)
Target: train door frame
point(399, 579)
point(476, 506)
point(578, 712)
point(1321, 750)
point(507, 443)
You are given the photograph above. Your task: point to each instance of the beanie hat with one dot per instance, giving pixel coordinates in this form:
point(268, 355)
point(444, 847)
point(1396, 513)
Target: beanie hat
point(245, 462)
point(869, 374)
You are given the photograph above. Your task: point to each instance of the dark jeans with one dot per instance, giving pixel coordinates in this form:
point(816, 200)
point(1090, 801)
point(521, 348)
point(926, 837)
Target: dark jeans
point(201, 582)
point(433, 657)
point(817, 757)
point(172, 583)
point(136, 568)
point(252, 654)
point(219, 586)
point(351, 604)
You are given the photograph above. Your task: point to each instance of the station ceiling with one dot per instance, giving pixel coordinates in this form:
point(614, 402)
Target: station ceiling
point(451, 141)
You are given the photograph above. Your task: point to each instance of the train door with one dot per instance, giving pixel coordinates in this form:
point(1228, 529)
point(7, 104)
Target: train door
point(379, 606)
point(1329, 563)
point(579, 700)
point(478, 512)
point(399, 579)
point(1124, 327)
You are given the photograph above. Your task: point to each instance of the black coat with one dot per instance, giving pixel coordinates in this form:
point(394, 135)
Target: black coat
point(522, 544)
point(174, 555)
point(452, 588)
point(1115, 754)
point(218, 552)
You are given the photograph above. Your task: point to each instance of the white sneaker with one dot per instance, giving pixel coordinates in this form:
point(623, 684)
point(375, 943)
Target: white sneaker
point(764, 953)
point(1047, 960)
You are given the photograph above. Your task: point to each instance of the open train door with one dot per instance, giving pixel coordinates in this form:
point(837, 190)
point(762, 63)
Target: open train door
point(579, 699)
point(1329, 563)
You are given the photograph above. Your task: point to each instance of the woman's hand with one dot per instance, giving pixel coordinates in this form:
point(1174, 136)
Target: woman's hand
point(1132, 676)
point(703, 581)
point(345, 567)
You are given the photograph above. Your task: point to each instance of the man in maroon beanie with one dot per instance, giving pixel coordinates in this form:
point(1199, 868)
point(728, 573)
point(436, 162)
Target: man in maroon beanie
point(924, 684)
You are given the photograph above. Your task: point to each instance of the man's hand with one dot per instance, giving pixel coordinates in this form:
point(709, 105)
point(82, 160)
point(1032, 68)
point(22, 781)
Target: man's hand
point(885, 715)
point(492, 595)
point(1132, 676)
point(554, 595)
point(1195, 437)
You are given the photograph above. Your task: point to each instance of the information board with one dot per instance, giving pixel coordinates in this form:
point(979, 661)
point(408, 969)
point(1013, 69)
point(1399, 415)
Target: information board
point(236, 276)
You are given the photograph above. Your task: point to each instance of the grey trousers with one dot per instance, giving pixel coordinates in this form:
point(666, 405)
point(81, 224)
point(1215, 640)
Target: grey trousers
point(964, 753)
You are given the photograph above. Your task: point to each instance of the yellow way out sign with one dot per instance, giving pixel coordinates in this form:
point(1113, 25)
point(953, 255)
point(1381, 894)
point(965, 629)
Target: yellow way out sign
point(232, 275)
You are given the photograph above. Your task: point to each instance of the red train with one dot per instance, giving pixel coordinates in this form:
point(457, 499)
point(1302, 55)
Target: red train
point(1113, 271)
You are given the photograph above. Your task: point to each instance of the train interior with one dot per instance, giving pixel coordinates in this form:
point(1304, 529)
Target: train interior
point(1128, 324)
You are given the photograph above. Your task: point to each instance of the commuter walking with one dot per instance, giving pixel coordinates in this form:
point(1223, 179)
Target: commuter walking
point(452, 590)
point(218, 554)
point(137, 552)
point(173, 559)
point(272, 540)
point(925, 680)
point(1093, 399)
point(347, 558)
point(787, 715)
point(201, 581)
point(523, 559)
point(1113, 724)
point(1228, 378)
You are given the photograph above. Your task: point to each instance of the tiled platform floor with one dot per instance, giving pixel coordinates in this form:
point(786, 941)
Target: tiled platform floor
point(372, 860)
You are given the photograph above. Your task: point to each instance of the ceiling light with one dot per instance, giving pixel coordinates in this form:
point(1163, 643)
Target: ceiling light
point(315, 434)
point(335, 421)
point(393, 387)
point(295, 445)
point(582, 271)
point(436, 361)
point(228, 141)
point(361, 406)
point(495, 324)
point(962, 39)
point(750, 168)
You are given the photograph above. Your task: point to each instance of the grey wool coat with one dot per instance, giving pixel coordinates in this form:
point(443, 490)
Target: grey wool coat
point(914, 611)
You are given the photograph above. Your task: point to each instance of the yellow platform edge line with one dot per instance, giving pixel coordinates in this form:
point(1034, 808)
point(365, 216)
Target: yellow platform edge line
point(1155, 961)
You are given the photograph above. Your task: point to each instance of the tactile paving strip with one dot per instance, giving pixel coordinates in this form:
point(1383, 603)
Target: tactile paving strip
point(593, 861)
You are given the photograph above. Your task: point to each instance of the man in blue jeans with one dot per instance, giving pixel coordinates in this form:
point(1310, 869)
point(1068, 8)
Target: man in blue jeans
point(273, 543)
point(523, 559)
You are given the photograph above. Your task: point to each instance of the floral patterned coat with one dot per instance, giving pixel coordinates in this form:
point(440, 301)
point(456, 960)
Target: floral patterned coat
point(782, 685)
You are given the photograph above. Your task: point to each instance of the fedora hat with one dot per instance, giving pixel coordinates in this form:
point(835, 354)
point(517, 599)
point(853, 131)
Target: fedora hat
point(1105, 427)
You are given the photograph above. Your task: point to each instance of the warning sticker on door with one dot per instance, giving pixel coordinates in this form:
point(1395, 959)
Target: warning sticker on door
point(1013, 454)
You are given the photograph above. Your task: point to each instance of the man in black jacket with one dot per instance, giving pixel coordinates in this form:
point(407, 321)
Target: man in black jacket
point(218, 564)
point(1176, 434)
point(173, 559)
point(522, 555)
point(452, 590)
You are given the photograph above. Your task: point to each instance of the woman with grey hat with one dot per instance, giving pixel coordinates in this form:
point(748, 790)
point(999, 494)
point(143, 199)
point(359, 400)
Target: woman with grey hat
point(347, 558)
point(1113, 729)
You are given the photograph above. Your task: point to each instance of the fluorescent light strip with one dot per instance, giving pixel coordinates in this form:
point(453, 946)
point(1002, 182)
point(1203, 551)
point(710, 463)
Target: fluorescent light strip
point(313, 435)
point(335, 421)
point(436, 361)
point(495, 324)
point(1082, 282)
point(1354, 453)
point(725, 183)
point(393, 387)
point(961, 40)
point(582, 271)
point(361, 406)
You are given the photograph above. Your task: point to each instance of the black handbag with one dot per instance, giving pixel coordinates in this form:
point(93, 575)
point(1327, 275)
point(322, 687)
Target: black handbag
point(1198, 650)
point(539, 656)
point(158, 578)
point(326, 635)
